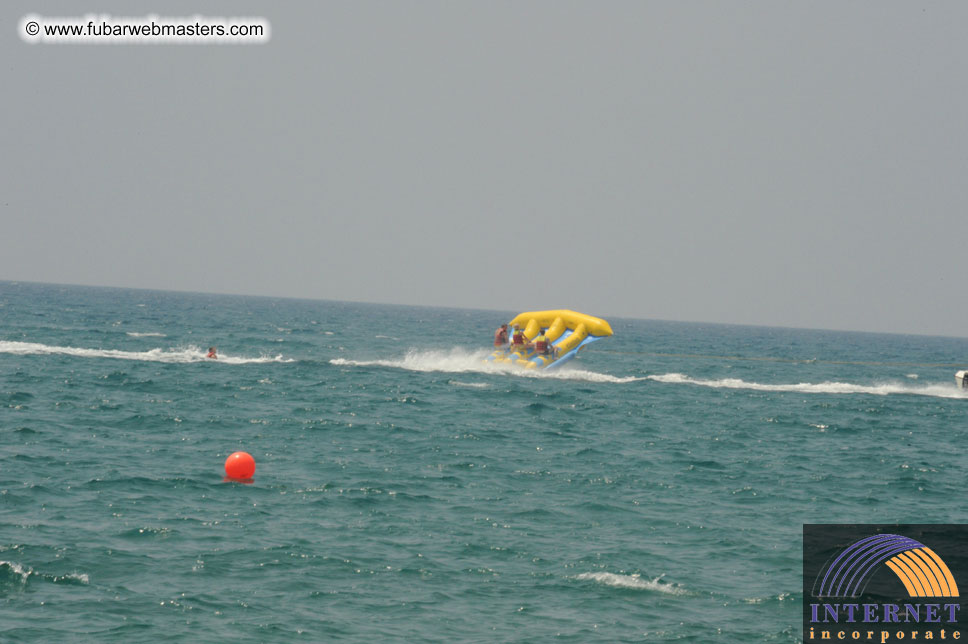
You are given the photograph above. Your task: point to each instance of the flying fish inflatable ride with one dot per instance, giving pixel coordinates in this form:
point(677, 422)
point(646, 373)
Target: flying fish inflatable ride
point(549, 338)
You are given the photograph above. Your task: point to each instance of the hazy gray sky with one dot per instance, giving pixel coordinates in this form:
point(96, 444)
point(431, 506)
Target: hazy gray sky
point(778, 163)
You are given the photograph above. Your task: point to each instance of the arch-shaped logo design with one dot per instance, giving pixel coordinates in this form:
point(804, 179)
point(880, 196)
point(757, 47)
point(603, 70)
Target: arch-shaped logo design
point(922, 572)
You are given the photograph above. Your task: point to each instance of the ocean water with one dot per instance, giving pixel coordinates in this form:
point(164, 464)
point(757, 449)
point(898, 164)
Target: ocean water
point(405, 491)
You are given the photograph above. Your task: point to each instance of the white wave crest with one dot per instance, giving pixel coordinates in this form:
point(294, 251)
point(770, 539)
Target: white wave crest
point(182, 355)
point(150, 334)
point(17, 570)
point(81, 577)
point(463, 361)
point(884, 389)
point(782, 597)
point(634, 582)
point(471, 385)
point(25, 573)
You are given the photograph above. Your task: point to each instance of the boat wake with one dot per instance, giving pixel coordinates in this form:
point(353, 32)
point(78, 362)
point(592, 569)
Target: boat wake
point(882, 389)
point(180, 356)
point(463, 361)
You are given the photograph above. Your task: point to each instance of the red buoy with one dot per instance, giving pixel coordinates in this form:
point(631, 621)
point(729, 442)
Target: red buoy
point(240, 466)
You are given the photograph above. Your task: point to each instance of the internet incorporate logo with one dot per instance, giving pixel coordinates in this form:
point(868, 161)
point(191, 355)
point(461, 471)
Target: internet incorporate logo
point(883, 583)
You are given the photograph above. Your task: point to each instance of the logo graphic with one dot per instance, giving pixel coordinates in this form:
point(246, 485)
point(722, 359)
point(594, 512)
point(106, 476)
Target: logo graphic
point(919, 568)
point(883, 583)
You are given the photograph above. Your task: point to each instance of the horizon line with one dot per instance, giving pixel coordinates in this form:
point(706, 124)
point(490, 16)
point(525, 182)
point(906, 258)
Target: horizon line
point(465, 308)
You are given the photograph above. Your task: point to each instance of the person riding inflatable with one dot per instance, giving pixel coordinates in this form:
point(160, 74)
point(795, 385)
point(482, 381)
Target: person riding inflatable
point(518, 341)
point(541, 344)
point(501, 336)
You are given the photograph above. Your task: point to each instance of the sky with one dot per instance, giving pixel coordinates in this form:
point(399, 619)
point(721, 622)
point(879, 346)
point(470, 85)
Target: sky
point(800, 164)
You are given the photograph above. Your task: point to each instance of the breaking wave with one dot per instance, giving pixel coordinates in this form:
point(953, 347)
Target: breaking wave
point(12, 571)
point(634, 582)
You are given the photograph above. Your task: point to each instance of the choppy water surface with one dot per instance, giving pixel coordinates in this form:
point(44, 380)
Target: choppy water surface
point(406, 491)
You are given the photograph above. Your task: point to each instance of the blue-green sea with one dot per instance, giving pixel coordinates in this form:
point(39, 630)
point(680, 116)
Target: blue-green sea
point(652, 490)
